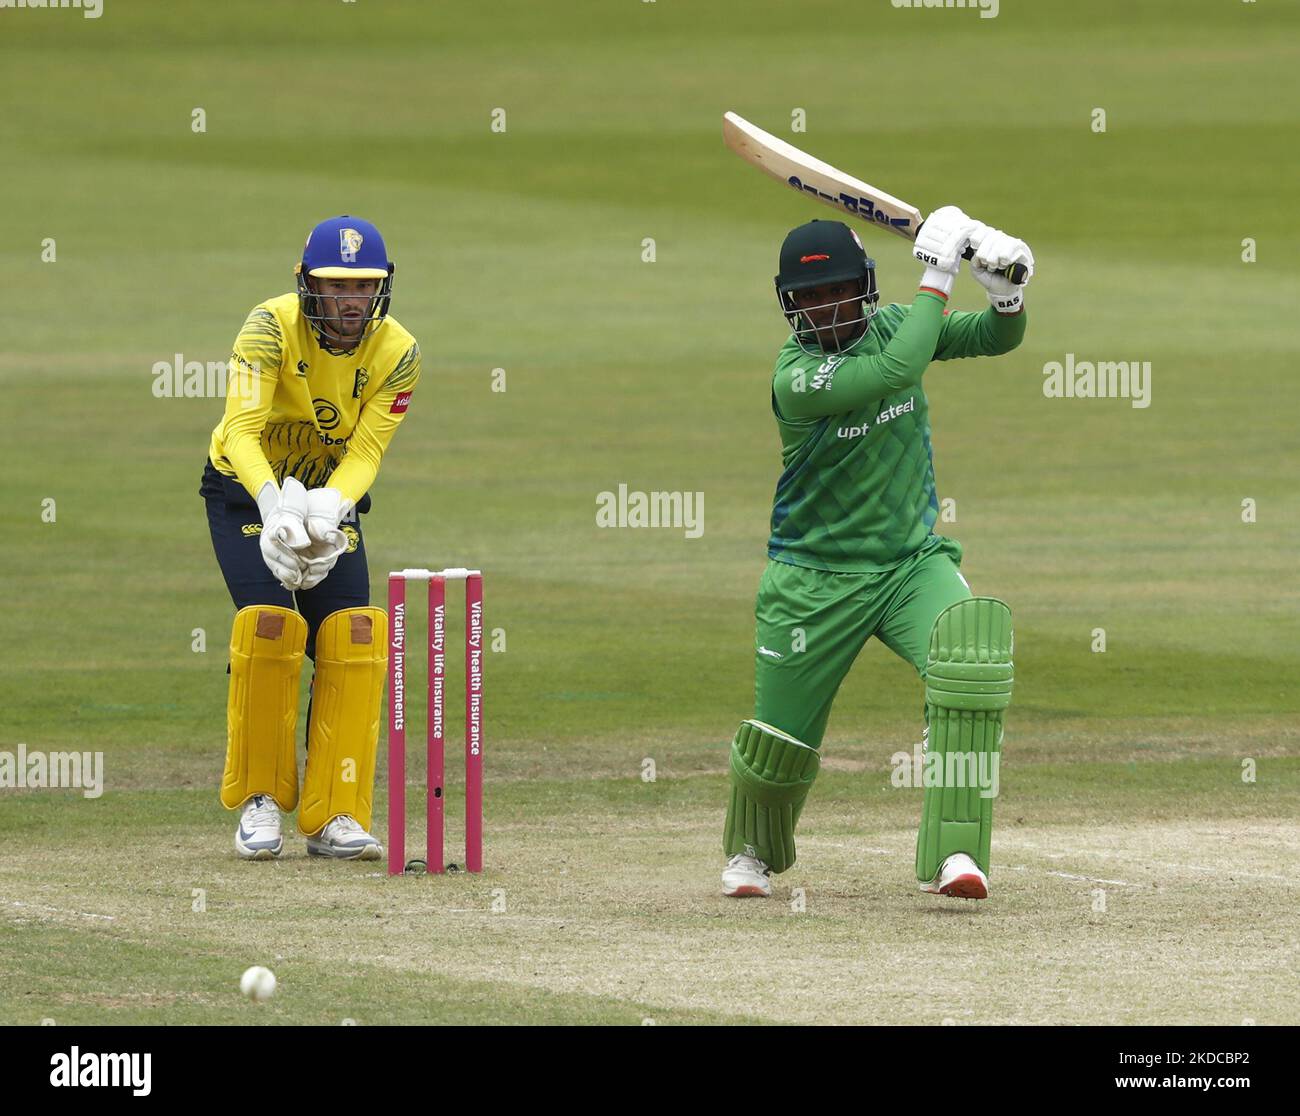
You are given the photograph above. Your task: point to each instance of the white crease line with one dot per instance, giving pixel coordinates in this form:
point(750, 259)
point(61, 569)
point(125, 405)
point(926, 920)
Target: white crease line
point(56, 910)
point(1103, 854)
point(1228, 872)
point(816, 842)
point(1092, 879)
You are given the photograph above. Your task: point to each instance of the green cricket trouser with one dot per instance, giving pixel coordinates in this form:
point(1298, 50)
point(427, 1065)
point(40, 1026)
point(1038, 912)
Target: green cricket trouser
point(812, 624)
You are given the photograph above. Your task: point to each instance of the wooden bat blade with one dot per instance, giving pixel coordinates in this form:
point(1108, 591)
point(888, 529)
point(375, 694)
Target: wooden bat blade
point(809, 175)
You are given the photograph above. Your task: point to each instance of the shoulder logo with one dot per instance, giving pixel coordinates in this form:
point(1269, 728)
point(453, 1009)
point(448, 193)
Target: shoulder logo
point(826, 373)
point(400, 404)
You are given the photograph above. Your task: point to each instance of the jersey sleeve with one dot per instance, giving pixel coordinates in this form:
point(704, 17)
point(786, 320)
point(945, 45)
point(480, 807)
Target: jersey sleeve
point(254, 373)
point(378, 421)
point(803, 392)
point(968, 333)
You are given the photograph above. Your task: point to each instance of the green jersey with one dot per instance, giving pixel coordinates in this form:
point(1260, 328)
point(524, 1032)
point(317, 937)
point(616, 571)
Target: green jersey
point(857, 491)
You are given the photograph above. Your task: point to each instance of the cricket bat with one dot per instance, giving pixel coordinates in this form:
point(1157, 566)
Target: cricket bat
point(824, 182)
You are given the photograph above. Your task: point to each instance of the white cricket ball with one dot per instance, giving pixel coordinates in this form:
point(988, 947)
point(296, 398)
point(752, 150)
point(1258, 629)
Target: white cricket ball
point(257, 983)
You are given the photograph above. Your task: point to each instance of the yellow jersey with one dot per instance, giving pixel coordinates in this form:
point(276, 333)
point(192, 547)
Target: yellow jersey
point(295, 409)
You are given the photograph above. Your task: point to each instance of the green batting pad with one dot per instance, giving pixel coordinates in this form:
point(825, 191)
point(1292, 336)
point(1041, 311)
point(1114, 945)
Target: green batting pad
point(771, 773)
point(967, 687)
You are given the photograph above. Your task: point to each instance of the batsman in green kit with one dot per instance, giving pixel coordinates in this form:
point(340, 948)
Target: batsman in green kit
point(853, 553)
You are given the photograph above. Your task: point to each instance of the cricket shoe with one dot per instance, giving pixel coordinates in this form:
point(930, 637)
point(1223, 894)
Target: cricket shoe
point(960, 877)
point(258, 836)
point(745, 876)
point(344, 839)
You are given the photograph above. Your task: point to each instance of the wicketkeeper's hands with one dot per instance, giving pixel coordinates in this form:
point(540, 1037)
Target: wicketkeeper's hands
point(939, 245)
point(995, 251)
point(326, 508)
point(284, 530)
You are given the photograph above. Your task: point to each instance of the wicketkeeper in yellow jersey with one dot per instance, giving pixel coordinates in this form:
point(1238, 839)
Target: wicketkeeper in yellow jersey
point(319, 382)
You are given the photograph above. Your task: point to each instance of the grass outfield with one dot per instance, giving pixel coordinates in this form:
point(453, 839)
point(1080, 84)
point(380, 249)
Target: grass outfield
point(523, 251)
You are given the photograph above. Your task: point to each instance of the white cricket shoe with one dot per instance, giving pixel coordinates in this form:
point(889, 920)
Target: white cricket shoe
point(744, 876)
point(960, 877)
point(258, 836)
point(344, 839)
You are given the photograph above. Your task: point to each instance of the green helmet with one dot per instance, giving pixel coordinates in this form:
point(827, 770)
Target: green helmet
point(816, 254)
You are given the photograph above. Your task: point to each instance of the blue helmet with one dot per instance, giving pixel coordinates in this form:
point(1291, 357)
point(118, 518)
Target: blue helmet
point(344, 248)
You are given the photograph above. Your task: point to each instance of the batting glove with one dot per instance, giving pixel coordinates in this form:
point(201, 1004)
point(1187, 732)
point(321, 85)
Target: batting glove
point(939, 244)
point(995, 251)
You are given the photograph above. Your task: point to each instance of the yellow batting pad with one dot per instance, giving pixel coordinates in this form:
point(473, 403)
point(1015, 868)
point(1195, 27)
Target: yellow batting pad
point(266, 649)
point(347, 696)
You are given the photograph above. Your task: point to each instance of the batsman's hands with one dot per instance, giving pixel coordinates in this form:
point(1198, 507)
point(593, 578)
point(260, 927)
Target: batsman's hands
point(284, 531)
point(940, 243)
point(995, 251)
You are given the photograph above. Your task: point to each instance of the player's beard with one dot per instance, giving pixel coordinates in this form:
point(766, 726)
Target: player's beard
point(342, 328)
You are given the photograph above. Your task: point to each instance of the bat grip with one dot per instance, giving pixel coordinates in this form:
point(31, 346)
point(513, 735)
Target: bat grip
point(1017, 272)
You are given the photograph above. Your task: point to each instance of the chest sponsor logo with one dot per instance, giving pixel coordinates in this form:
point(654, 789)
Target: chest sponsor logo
point(327, 415)
point(885, 416)
point(400, 404)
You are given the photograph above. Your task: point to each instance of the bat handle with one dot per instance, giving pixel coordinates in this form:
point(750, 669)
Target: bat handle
point(1017, 272)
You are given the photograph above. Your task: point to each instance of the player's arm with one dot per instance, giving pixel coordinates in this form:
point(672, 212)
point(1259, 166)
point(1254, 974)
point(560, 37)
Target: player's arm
point(378, 421)
point(967, 333)
point(250, 390)
point(805, 391)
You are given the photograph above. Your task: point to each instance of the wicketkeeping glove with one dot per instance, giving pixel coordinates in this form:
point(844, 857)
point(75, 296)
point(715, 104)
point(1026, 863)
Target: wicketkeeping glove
point(326, 508)
point(284, 530)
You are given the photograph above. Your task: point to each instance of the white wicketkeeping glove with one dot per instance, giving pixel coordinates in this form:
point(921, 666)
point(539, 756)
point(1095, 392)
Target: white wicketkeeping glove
point(326, 508)
point(284, 530)
point(939, 245)
point(995, 251)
